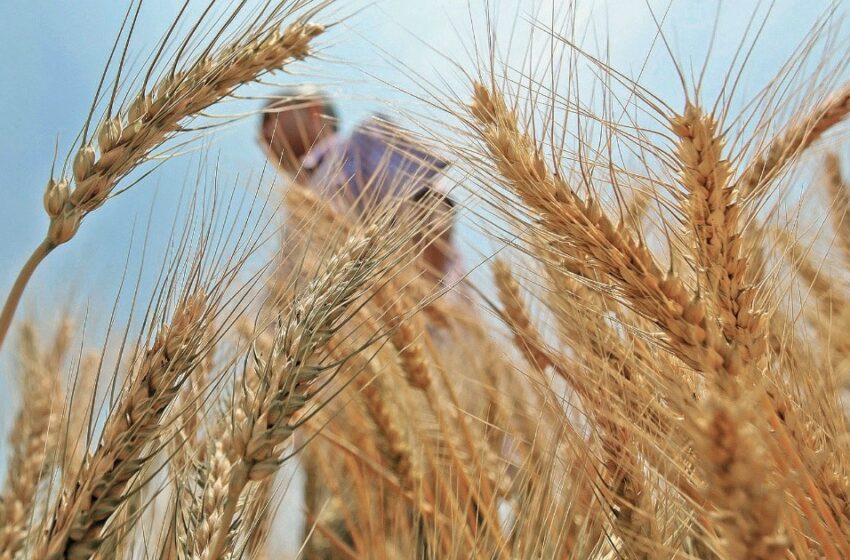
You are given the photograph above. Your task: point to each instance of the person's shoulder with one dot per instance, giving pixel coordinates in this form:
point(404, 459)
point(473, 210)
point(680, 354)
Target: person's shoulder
point(378, 139)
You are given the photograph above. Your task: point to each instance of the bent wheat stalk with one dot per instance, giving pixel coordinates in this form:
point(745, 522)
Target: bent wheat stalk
point(126, 139)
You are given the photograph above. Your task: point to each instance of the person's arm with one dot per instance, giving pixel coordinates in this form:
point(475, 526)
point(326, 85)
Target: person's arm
point(436, 231)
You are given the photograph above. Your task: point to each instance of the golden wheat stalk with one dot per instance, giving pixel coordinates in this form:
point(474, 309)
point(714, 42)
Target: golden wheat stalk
point(614, 253)
point(585, 232)
point(713, 211)
point(264, 413)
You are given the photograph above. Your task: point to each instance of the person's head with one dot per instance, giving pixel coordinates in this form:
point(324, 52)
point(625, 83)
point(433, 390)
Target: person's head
point(294, 122)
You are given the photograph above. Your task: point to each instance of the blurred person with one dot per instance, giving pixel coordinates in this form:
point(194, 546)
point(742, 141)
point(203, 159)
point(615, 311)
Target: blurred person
point(376, 163)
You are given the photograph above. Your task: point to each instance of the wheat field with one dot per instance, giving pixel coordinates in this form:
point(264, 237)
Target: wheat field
point(646, 359)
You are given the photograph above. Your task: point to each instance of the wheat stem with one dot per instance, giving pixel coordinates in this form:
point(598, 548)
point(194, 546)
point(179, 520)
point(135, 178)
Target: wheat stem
point(14, 297)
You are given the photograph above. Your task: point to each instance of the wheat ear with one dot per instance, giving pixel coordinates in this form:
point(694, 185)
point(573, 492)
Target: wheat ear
point(626, 261)
point(127, 138)
point(589, 234)
point(714, 210)
point(750, 510)
point(34, 437)
point(263, 416)
point(757, 175)
point(75, 530)
point(734, 482)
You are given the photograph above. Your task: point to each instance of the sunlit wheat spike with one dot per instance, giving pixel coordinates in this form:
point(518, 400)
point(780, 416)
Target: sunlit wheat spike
point(157, 113)
point(288, 376)
point(75, 530)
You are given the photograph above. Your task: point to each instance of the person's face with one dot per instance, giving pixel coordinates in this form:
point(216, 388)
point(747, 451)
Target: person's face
point(290, 132)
